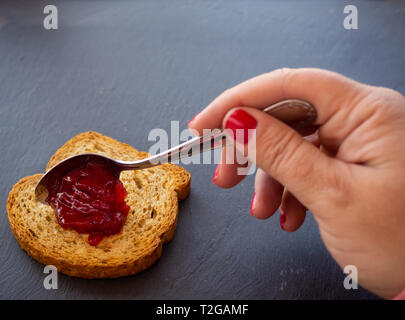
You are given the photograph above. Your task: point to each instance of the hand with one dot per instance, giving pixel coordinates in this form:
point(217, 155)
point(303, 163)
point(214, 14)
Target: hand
point(350, 174)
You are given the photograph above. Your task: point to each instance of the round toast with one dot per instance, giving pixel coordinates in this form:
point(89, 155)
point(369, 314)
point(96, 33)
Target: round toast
point(153, 196)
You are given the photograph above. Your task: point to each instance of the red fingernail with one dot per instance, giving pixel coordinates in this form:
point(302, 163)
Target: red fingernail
point(214, 178)
point(239, 121)
point(252, 205)
point(282, 219)
point(193, 118)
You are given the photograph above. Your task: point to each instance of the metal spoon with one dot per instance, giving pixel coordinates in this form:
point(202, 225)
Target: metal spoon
point(296, 113)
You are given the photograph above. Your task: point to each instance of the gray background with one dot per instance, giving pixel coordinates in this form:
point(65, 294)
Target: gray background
point(125, 67)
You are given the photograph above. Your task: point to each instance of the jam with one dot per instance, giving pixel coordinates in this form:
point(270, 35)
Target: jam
point(89, 199)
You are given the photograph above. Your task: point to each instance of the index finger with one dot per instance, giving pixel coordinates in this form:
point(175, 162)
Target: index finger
point(327, 91)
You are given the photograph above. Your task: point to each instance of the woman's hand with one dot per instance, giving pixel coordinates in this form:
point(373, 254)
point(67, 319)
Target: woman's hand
point(350, 174)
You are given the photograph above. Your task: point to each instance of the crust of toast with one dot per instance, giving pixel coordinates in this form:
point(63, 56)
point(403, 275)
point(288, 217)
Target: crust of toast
point(153, 196)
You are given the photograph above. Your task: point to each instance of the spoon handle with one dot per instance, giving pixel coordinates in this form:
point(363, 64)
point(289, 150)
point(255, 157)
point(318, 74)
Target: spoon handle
point(295, 113)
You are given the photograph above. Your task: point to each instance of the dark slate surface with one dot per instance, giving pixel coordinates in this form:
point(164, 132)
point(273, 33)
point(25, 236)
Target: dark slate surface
point(125, 67)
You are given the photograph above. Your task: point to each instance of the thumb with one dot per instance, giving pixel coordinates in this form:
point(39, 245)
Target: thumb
point(284, 154)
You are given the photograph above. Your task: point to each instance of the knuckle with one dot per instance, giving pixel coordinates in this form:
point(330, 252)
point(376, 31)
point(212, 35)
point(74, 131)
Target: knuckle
point(285, 74)
point(389, 93)
point(304, 165)
point(277, 149)
point(283, 71)
point(386, 104)
point(385, 99)
point(228, 91)
point(336, 189)
point(234, 95)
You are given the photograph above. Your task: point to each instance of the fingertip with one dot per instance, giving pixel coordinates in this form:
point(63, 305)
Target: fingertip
point(282, 220)
point(252, 205)
point(216, 174)
point(226, 177)
point(292, 213)
point(268, 194)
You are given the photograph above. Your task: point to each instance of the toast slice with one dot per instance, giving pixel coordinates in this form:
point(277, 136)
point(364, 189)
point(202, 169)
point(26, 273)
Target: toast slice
point(153, 196)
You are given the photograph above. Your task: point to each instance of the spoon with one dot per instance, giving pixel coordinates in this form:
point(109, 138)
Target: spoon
point(296, 113)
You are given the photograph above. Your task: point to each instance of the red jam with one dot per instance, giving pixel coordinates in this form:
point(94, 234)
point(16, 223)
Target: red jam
point(90, 199)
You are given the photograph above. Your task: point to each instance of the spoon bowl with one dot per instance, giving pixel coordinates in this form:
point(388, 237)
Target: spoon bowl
point(66, 166)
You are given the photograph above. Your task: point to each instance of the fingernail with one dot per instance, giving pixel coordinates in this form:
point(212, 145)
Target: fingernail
point(282, 219)
point(214, 178)
point(193, 118)
point(252, 205)
point(239, 121)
